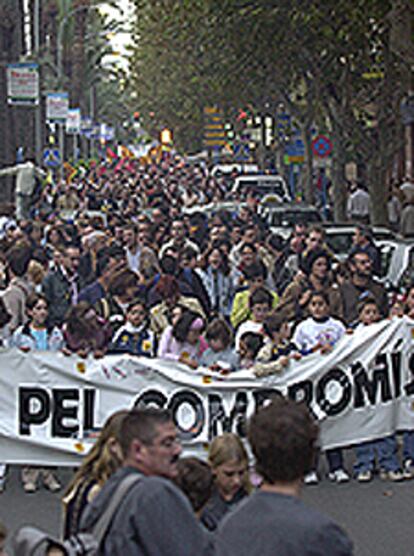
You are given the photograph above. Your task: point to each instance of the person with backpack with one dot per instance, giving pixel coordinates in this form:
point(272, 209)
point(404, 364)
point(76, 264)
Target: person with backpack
point(154, 517)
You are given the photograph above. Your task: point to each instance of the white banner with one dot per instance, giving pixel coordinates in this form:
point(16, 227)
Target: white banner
point(52, 406)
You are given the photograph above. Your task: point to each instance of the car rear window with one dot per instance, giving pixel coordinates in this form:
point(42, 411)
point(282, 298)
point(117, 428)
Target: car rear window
point(288, 218)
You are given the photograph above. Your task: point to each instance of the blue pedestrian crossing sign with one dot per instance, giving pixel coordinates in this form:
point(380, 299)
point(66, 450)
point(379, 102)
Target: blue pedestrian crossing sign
point(51, 158)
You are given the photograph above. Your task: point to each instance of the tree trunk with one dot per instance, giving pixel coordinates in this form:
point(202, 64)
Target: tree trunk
point(308, 184)
point(338, 175)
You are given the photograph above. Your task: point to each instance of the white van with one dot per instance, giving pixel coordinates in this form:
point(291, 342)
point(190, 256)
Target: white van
point(262, 185)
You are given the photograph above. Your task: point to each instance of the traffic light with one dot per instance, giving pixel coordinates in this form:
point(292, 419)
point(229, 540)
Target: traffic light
point(166, 137)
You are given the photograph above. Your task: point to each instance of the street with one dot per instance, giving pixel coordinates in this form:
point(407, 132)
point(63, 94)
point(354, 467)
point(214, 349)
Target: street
point(377, 515)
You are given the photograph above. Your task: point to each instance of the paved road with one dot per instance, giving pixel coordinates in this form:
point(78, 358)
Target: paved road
point(378, 516)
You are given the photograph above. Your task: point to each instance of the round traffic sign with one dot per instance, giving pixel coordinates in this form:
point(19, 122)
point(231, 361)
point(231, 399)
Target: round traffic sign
point(322, 146)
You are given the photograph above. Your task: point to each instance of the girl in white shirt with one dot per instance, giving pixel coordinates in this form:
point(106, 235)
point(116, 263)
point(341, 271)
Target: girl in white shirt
point(321, 332)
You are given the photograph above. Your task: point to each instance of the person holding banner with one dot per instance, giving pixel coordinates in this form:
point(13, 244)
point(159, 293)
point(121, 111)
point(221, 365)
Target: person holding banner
point(35, 335)
point(183, 341)
point(135, 336)
point(320, 332)
point(408, 436)
point(384, 448)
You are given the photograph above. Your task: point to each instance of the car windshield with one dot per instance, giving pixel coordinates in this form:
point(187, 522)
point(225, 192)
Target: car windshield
point(340, 243)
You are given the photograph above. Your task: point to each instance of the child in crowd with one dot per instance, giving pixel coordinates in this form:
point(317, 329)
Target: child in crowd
point(385, 448)
point(250, 345)
point(277, 350)
point(321, 332)
point(35, 335)
point(85, 332)
point(219, 355)
point(183, 341)
point(260, 304)
point(196, 480)
point(230, 466)
point(135, 336)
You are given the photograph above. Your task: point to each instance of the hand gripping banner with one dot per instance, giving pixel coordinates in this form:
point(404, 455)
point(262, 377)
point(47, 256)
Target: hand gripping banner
point(52, 406)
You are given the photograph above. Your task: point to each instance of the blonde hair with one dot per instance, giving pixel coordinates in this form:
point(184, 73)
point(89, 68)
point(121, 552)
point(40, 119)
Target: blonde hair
point(35, 272)
point(228, 448)
point(100, 463)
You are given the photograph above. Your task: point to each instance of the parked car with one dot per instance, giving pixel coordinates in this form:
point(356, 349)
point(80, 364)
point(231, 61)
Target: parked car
point(281, 217)
point(220, 170)
point(340, 237)
point(397, 262)
point(261, 185)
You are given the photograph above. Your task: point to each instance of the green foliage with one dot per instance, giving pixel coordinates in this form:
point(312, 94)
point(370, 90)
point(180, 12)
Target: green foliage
point(314, 56)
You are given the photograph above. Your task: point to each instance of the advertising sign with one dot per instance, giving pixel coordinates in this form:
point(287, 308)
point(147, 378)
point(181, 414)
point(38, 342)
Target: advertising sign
point(23, 84)
point(73, 121)
point(57, 107)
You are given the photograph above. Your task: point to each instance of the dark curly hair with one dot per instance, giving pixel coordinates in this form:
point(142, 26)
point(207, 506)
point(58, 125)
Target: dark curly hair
point(283, 438)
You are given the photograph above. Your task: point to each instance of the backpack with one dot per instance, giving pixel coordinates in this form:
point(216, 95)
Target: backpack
point(31, 541)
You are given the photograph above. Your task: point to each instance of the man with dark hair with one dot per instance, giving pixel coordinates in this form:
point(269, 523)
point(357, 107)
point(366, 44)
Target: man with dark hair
point(18, 290)
point(360, 282)
point(62, 286)
point(154, 518)
point(179, 238)
point(274, 520)
point(362, 239)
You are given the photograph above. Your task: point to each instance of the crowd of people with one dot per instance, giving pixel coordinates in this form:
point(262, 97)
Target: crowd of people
point(122, 261)
point(116, 262)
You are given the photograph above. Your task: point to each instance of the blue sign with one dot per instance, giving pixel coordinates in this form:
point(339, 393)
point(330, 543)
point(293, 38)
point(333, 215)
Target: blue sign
point(241, 153)
point(295, 148)
point(51, 158)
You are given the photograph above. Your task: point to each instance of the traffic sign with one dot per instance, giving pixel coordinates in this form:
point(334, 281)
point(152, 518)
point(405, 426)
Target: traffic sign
point(322, 146)
point(51, 158)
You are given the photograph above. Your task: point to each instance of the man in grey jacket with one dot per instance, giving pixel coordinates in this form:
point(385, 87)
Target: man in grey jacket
point(274, 520)
point(154, 518)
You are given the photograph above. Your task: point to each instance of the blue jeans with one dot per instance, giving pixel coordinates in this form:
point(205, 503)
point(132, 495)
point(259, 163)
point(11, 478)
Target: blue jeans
point(384, 448)
point(408, 445)
point(335, 460)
